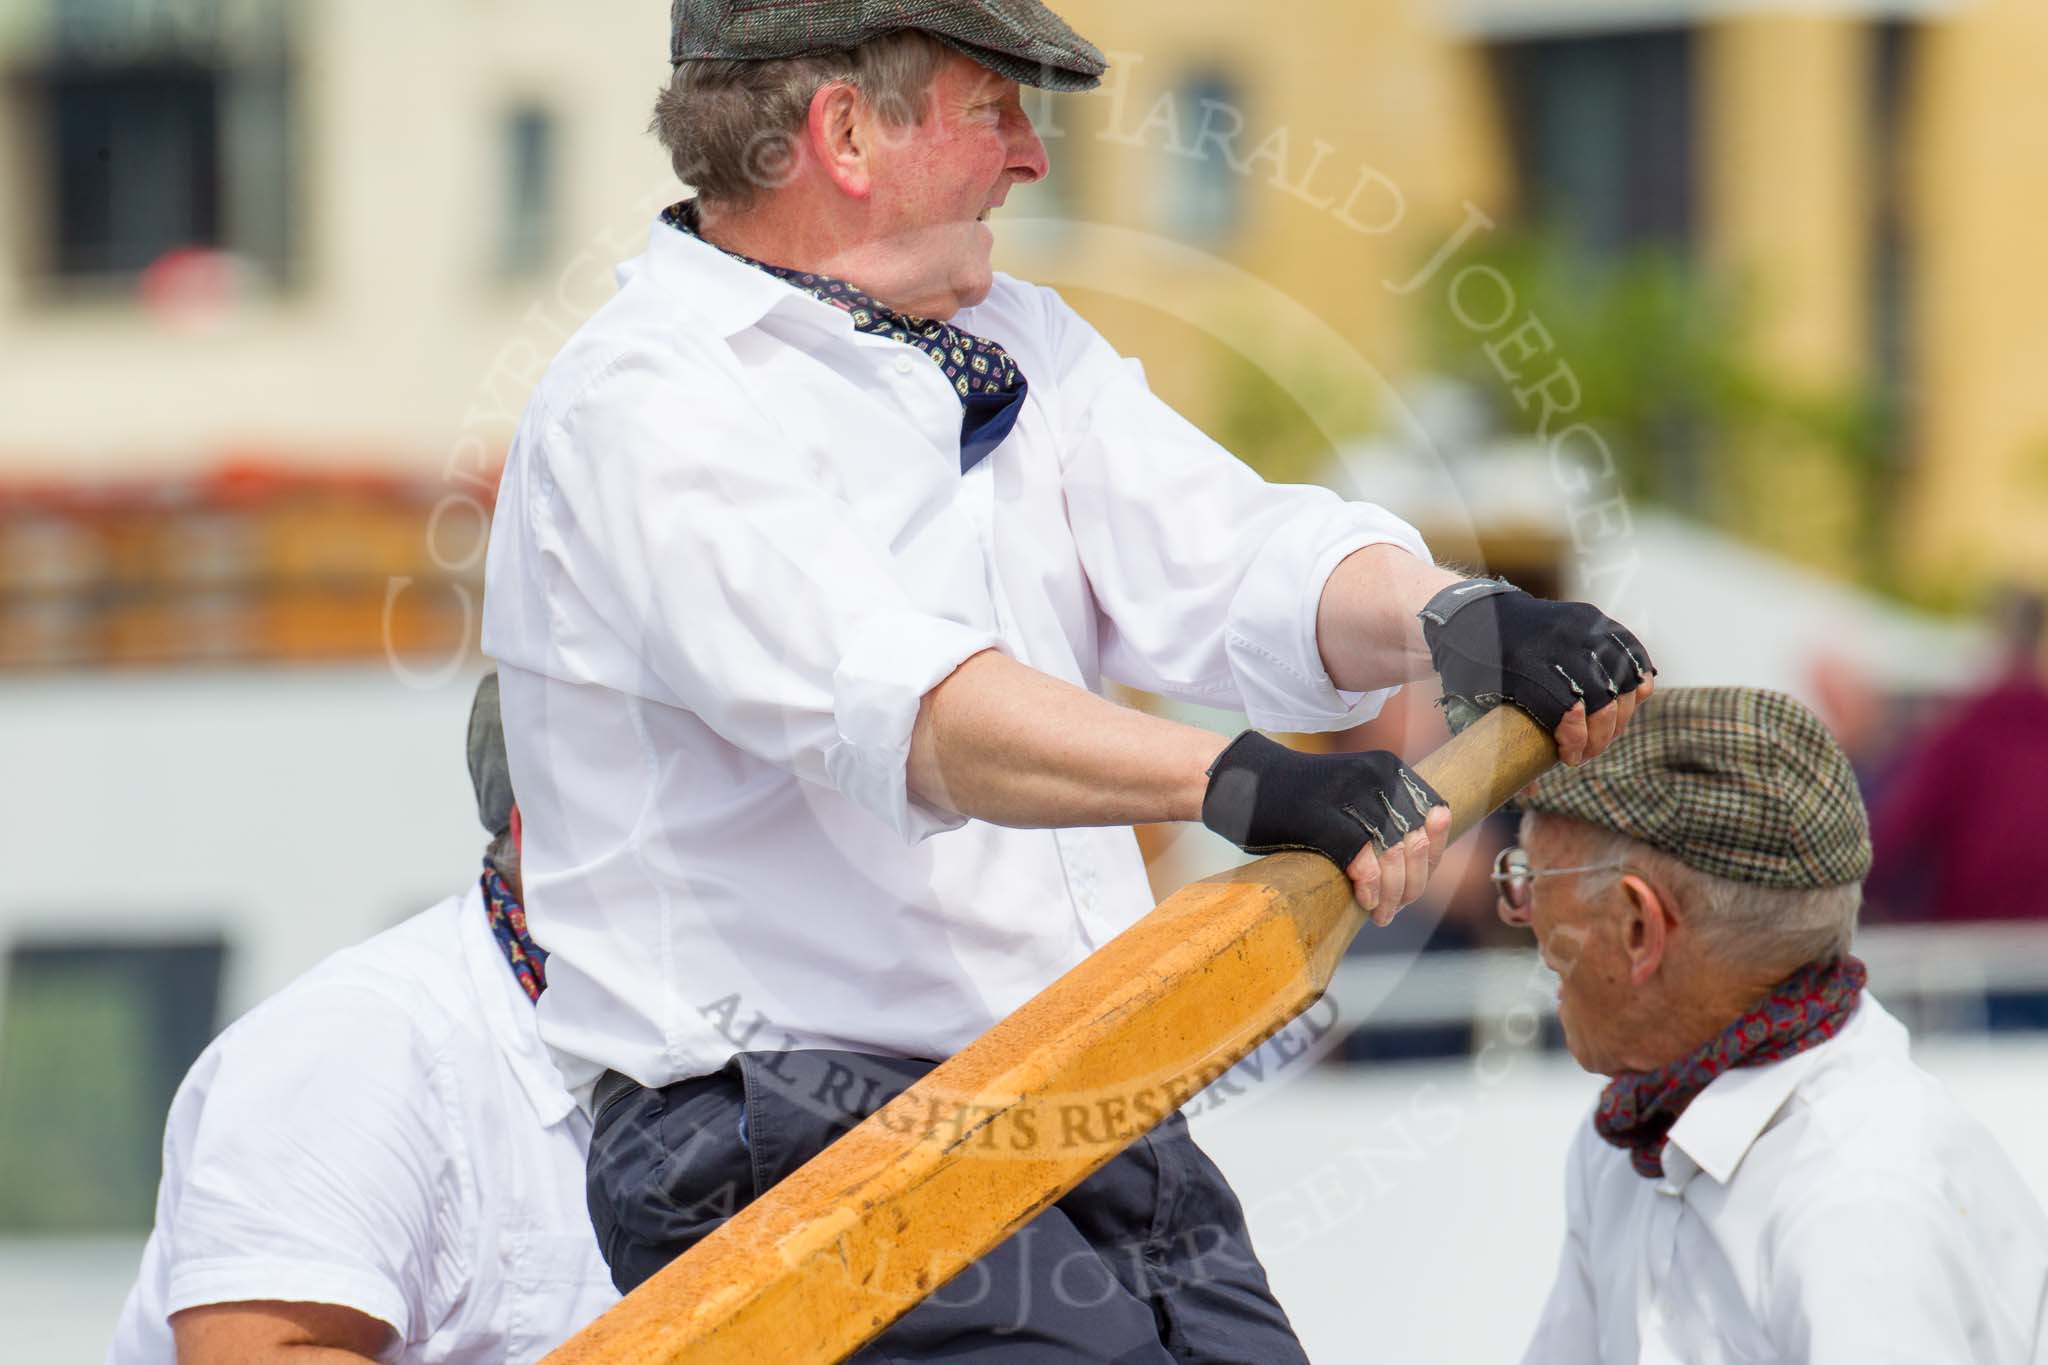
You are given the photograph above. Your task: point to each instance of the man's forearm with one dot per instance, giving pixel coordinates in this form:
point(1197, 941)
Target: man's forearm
point(266, 1332)
point(1002, 742)
point(1366, 628)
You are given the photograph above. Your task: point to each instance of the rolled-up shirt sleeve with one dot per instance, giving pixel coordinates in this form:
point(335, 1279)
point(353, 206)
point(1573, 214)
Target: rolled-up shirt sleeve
point(1206, 577)
point(325, 1172)
point(877, 688)
point(733, 581)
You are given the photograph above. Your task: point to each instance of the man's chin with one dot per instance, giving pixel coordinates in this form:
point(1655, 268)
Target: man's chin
point(971, 282)
point(977, 290)
point(1578, 1049)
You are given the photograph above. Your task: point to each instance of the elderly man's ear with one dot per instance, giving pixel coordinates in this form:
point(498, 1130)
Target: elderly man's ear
point(839, 138)
point(1648, 922)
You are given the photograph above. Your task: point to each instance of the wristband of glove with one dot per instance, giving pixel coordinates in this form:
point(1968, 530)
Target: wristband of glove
point(1491, 642)
point(1265, 797)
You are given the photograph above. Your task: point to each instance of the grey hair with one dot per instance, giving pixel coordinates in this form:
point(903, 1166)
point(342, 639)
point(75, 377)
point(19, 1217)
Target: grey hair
point(728, 126)
point(1740, 923)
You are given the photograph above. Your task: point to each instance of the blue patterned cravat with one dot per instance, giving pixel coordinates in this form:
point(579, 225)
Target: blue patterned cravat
point(987, 380)
point(528, 960)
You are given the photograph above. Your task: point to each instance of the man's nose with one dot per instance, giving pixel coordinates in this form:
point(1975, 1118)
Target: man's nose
point(1028, 161)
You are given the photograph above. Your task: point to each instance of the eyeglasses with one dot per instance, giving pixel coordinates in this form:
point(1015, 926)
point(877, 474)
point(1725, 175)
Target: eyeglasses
point(1513, 877)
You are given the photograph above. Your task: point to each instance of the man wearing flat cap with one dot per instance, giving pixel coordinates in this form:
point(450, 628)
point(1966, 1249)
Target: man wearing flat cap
point(1767, 1176)
point(380, 1161)
point(812, 555)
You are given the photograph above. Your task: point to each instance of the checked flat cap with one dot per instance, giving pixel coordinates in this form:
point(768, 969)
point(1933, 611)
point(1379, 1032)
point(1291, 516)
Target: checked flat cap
point(1735, 781)
point(1020, 39)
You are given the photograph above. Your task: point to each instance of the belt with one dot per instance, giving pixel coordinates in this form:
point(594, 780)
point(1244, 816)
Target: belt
point(610, 1088)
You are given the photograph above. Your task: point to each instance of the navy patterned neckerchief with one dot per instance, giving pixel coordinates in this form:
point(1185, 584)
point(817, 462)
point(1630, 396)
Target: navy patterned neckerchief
point(528, 960)
point(1638, 1108)
point(990, 386)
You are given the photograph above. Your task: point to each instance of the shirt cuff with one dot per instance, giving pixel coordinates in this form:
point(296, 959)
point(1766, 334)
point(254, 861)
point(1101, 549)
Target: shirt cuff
point(1271, 638)
point(877, 689)
point(202, 1284)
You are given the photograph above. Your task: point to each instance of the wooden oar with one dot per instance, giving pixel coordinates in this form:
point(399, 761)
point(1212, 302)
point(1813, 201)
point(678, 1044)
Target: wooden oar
point(853, 1239)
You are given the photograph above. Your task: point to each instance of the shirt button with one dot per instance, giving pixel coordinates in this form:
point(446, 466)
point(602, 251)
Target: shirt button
point(903, 364)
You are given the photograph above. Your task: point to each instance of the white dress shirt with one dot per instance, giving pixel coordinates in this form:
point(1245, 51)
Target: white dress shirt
point(734, 549)
point(1835, 1208)
point(387, 1134)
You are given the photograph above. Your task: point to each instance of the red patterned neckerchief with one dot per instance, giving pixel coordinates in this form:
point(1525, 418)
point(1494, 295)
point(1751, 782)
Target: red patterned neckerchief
point(529, 961)
point(1807, 1008)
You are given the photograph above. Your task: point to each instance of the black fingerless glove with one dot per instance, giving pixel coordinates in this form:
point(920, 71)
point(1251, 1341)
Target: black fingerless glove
point(1264, 797)
point(1491, 642)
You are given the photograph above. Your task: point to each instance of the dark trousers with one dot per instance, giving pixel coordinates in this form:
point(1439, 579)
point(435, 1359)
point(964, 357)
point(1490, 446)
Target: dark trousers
point(1146, 1261)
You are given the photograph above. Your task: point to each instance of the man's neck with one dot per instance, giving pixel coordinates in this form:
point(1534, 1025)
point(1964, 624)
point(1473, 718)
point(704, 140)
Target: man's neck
point(785, 236)
point(793, 239)
point(1714, 997)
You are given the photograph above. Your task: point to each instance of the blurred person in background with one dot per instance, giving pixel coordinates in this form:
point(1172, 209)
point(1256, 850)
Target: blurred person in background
point(1767, 1176)
point(380, 1161)
point(823, 508)
point(1957, 827)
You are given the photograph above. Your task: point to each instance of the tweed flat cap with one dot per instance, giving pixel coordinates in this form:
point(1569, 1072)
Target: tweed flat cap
point(1735, 781)
point(489, 770)
point(1020, 39)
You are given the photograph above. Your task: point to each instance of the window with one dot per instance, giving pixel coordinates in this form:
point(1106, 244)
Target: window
point(160, 128)
point(1603, 133)
point(528, 242)
point(1205, 195)
point(136, 154)
point(94, 1040)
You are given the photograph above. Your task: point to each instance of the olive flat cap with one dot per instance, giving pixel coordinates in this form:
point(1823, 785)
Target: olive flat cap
point(1735, 781)
point(1020, 39)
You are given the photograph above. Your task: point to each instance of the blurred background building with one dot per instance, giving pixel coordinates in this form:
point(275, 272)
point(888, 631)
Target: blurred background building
point(1803, 227)
point(1722, 312)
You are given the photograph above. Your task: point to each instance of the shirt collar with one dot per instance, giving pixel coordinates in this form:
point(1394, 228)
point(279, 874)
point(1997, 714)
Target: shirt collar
point(725, 293)
point(508, 1014)
point(1724, 1120)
